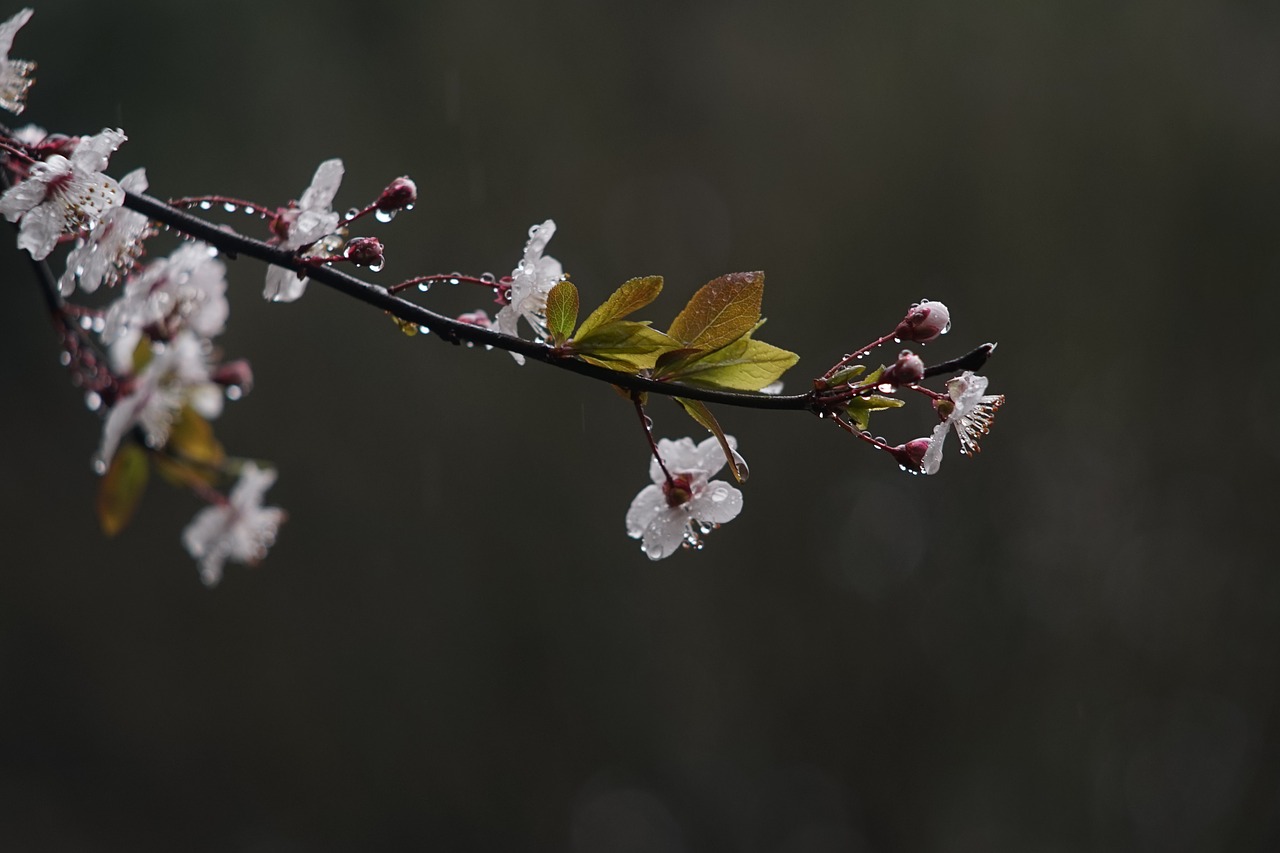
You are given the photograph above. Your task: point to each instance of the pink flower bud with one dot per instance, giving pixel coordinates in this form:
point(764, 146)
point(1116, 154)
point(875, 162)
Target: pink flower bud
point(924, 322)
point(399, 194)
point(365, 252)
point(234, 374)
point(910, 455)
point(476, 318)
point(907, 370)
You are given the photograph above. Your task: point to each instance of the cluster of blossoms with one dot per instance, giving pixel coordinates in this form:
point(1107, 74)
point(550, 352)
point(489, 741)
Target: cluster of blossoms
point(149, 364)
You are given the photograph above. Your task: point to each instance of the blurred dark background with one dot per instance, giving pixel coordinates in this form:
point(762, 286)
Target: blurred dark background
point(1066, 644)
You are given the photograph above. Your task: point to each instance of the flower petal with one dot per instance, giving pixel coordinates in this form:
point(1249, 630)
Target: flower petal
point(665, 533)
point(644, 509)
point(718, 503)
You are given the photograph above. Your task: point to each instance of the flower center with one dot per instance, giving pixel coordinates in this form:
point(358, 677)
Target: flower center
point(678, 490)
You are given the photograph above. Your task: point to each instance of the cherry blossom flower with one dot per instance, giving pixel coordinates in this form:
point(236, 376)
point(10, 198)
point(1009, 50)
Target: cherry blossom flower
point(240, 529)
point(15, 74)
point(177, 375)
point(531, 281)
point(971, 414)
point(667, 514)
point(300, 225)
point(186, 290)
point(110, 250)
point(64, 195)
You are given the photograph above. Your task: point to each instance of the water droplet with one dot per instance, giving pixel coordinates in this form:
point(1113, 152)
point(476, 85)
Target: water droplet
point(86, 322)
point(206, 205)
point(352, 213)
point(946, 328)
point(897, 340)
point(99, 465)
point(488, 278)
point(99, 323)
point(234, 392)
point(228, 207)
point(424, 330)
point(409, 206)
point(375, 267)
point(385, 215)
point(248, 208)
point(424, 286)
point(92, 401)
point(885, 388)
point(64, 358)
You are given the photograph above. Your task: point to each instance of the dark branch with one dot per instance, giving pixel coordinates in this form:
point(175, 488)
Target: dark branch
point(233, 244)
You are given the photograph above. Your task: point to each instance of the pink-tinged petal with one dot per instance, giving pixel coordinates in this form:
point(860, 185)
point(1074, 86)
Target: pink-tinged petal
point(283, 285)
point(324, 186)
point(20, 198)
point(10, 28)
point(680, 455)
point(93, 152)
point(644, 509)
point(40, 230)
point(718, 503)
point(933, 456)
point(665, 533)
point(710, 455)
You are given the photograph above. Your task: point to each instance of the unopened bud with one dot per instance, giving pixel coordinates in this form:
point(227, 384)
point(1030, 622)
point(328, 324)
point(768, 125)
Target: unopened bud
point(365, 252)
point(911, 455)
point(907, 370)
point(924, 322)
point(399, 194)
point(234, 374)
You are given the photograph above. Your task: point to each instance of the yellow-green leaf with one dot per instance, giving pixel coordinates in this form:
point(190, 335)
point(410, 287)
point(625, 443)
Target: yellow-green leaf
point(744, 365)
point(633, 295)
point(192, 455)
point(700, 413)
point(722, 311)
point(562, 311)
point(121, 488)
point(859, 409)
point(632, 344)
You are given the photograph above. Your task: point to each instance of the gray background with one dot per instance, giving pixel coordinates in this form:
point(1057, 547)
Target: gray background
point(1067, 644)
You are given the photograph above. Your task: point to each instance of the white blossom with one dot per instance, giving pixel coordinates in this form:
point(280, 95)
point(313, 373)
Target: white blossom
point(64, 195)
point(310, 220)
point(15, 74)
point(663, 517)
point(971, 415)
point(177, 375)
point(241, 529)
point(531, 281)
point(186, 290)
point(111, 249)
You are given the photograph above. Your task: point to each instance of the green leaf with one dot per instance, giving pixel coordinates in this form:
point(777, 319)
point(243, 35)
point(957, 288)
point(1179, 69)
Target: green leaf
point(192, 455)
point(633, 295)
point(562, 311)
point(722, 311)
point(700, 413)
point(121, 488)
point(860, 408)
point(623, 345)
point(847, 374)
point(744, 365)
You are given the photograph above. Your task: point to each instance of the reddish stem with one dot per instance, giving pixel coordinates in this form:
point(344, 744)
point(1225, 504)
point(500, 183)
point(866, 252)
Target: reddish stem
point(648, 433)
point(854, 356)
